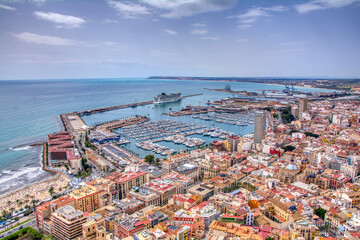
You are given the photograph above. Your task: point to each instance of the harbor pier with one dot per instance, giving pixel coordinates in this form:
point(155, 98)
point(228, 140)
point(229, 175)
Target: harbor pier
point(105, 109)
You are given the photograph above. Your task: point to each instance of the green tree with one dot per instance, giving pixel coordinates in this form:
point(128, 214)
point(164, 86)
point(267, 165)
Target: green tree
point(25, 233)
point(310, 134)
point(149, 158)
point(83, 161)
point(51, 190)
point(33, 203)
point(286, 115)
point(12, 210)
point(289, 148)
point(320, 212)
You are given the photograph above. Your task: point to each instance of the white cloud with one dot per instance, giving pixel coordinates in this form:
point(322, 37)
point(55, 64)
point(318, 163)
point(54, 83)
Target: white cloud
point(322, 5)
point(7, 7)
point(244, 26)
point(37, 1)
point(253, 13)
point(108, 20)
point(246, 19)
point(278, 8)
point(185, 8)
point(211, 38)
point(59, 41)
point(199, 25)
point(293, 43)
point(129, 10)
point(33, 2)
point(62, 21)
point(199, 31)
point(46, 40)
point(171, 32)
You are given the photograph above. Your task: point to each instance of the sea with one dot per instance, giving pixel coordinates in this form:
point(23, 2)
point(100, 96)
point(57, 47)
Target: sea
point(30, 110)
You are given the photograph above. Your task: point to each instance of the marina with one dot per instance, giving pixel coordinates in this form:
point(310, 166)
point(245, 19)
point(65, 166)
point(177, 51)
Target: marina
point(157, 129)
point(148, 135)
point(162, 134)
point(240, 119)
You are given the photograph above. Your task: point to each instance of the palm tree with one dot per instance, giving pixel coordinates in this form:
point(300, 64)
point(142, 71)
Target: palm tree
point(12, 210)
point(51, 190)
point(4, 213)
point(33, 203)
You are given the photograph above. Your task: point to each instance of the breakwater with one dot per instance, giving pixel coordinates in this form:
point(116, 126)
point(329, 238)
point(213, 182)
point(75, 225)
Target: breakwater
point(111, 108)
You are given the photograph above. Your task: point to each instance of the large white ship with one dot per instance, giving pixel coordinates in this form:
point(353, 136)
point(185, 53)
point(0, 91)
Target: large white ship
point(164, 98)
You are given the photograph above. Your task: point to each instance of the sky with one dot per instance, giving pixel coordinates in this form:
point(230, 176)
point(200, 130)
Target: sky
point(55, 39)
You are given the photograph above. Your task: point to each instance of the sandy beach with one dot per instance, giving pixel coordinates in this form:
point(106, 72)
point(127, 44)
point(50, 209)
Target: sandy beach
point(38, 191)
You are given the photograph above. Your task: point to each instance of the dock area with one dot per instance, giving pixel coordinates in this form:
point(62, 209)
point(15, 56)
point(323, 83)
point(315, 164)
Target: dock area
point(191, 110)
point(109, 126)
point(105, 109)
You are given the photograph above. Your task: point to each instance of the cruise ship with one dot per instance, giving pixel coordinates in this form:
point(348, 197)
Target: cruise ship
point(164, 98)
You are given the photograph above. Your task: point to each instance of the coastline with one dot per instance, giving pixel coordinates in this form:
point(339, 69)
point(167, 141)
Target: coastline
point(37, 188)
point(238, 81)
point(37, 191)
point(52, 177)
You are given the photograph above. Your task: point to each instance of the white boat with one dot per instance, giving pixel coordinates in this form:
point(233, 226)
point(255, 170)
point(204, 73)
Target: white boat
point(165, 98)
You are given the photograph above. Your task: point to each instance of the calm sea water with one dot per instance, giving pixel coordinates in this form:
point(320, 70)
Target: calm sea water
point(30, 110)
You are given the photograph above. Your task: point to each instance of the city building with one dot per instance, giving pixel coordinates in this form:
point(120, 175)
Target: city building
point(145, 195)
point(188, 170)
point(164, 189)
point(304, 229)
point(234, 140)
point(86, 198)
point(185, 201)
point(62, 151)
point(67, 223)
point(126, 181)
point(303, 106)
point(43, 212)
point(107, 190)
point(181, 182)
point(234, 230)
point(125, 226)
point(259, 127)
point(221, 183)
point(204, 190)
point(129, 205)
point(94, 227)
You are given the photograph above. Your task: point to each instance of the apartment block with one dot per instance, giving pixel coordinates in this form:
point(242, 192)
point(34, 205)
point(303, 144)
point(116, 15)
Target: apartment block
point(67, 223)
point(86, 198)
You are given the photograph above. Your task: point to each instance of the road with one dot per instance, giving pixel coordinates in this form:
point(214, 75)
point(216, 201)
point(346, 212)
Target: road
point(31, 223)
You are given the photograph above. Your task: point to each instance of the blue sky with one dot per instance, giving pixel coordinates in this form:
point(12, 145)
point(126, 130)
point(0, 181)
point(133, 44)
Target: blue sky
point(41, 39)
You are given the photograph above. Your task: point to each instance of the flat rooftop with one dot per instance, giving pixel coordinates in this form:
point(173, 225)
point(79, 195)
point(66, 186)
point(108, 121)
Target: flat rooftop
point(69, 213)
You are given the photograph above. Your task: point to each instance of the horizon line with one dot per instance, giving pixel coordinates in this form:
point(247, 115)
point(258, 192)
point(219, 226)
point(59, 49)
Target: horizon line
point(178, 76)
